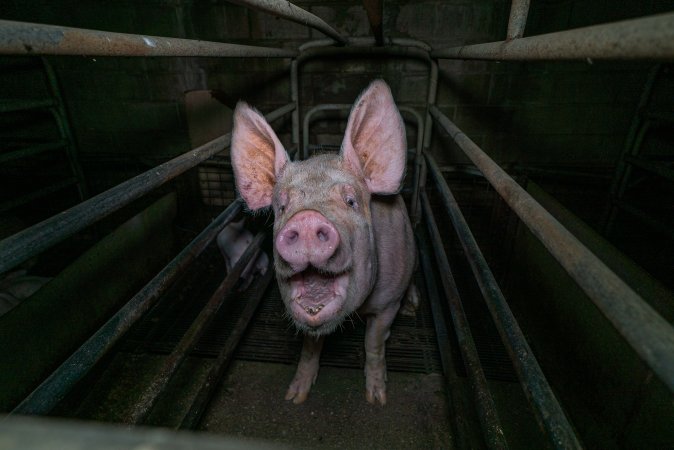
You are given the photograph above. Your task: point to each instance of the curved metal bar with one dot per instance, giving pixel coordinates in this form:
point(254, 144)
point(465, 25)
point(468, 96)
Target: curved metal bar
point(31, 241)
point(286, 10)
point(22, 38)
point(651, 336)
point(645, 38)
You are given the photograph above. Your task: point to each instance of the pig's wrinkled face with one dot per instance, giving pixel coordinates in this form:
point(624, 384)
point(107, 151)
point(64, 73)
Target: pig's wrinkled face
point(323, 285)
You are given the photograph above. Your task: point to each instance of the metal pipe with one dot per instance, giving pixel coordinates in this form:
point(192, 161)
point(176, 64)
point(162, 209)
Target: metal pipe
point(47, 190)
point(375, 11)
point(651, 336)
point(22, 38)
point(31, 150)
point(286, 10)
point(392, 51)
point(484, 403)
point(168, 369)
point(419, 180)
point(202, 399)
point(56, 386)
point(546, 408)
point(519, 10)
point(645, 38)
point(367, 42)
point(7, 106)
point(295, 98)
point(31, 241)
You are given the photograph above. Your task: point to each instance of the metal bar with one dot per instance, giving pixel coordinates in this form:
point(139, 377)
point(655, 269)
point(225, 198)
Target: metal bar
point(419, 180)
point(39, 237)
point(546, 408)
point(647, 332)
point(217, 371)
point(61, 117)
point(651, 166)
point(161, 380)
point(484, 403)
point(392, 51)
point(54, 389)
point(645, 38)
point(286, 10)
point(519, 10)
point(22, 38)
point(444, 347)
point(375, 11)
point(30, 151)
point(9, 204)
point(7, 106)
point(645, 217)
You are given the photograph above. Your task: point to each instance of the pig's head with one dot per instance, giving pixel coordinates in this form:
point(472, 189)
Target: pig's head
point(324, 246)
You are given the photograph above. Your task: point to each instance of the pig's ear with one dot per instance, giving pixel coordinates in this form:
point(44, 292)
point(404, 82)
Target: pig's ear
point(257, 156)
point(374, 143)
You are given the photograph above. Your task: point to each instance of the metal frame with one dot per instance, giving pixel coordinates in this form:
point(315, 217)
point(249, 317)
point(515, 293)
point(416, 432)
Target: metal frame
point(651, 336)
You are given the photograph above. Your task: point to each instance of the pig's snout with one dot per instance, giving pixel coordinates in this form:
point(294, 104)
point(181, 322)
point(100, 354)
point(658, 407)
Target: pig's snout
point(307, 238)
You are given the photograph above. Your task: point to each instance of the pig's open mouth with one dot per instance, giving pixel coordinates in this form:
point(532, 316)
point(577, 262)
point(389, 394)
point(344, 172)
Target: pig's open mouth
point(317, 297)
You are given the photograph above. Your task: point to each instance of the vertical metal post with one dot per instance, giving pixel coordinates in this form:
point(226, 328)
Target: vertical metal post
point(375, 12)
point(519, 10)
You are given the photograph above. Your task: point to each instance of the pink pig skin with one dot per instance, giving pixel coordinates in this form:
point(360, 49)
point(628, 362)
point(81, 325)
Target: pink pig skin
point(343, 243)
point(233, 241)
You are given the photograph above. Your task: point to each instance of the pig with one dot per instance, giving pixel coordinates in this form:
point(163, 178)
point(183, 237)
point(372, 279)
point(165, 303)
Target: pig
point(17, 286)
point(232, 242)
point(343, 242)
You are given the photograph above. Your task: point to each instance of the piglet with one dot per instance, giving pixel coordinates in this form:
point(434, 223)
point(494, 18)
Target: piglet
point(343, 242)
point(233, 241)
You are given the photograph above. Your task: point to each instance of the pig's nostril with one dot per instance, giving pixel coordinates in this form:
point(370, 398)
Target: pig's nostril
point(291, 237)
point(323, 235)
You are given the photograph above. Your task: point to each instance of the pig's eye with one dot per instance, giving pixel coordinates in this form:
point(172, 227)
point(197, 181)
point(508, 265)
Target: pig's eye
point(351, 202)
point(281, 208)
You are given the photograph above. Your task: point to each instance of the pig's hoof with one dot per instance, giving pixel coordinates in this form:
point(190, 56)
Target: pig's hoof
point(298, 391)
point(376, 394)
point(410, 302)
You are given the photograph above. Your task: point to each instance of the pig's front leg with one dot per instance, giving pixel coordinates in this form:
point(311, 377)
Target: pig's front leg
point(377, 332)
point(307, 369)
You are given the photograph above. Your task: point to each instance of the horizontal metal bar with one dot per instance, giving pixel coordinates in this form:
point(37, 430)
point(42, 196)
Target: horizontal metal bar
point(286, 10)
point(519, 10)
point(156, 389)
point(7, 106)
point(48, 394)
point(647, 332)
point(486, 409)
point(202, 399)
point(9, 204)
point(22, 38)
point(651, 166)
point(31, 150)
point(39, 237)
point(312, 52)
point(645, 38)
point(546, 408)
point(368, 42)
point(645, 217)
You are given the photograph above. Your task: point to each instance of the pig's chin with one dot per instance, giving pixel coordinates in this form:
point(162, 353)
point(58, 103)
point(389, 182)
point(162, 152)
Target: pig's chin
point(317, 300)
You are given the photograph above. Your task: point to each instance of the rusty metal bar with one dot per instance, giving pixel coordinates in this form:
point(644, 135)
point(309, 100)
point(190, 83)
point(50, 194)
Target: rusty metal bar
point(519, 10)
point(54, 389)
point(484, 403)
point(168, 369)
point(546, 408)
point(39, 237)
point(202, 399)
point(651, 336)
point(22, 38)
point(375, 12)
point(645, 38)
point(286, 10)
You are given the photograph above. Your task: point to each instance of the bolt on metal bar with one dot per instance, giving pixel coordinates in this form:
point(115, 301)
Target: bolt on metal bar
point(168, 369)
point(484, 403)
point(645, 38)
point(286, 10)
point(51, 391)
point(651, 336)
point(519, 10)
point(546, 408)
point(23, 38)
point(39, 237)
point(202, 399)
